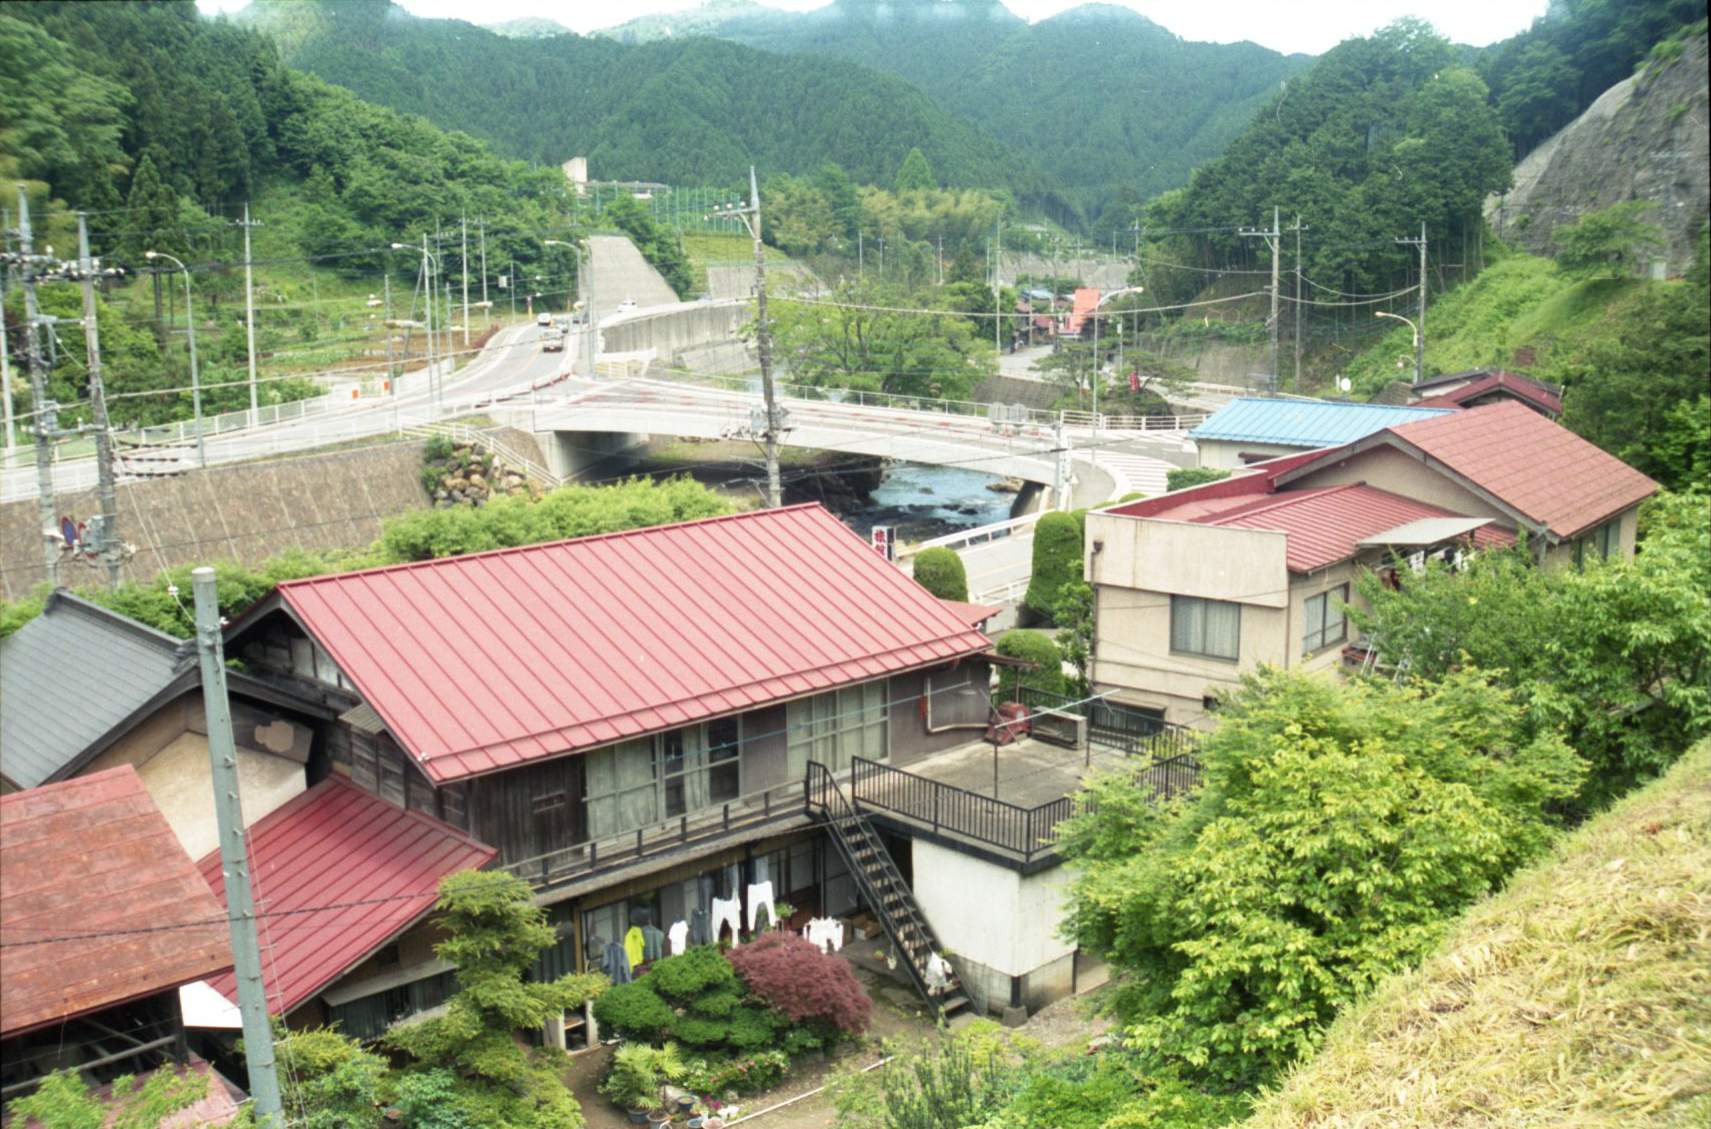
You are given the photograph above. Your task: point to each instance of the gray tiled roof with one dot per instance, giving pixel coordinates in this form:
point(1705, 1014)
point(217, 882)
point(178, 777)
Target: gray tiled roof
point(68, 677)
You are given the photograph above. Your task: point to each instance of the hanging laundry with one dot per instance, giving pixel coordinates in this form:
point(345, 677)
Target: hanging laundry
point(939, 973)
point(634, 945)
point(678, 937)
point(615, 963)
point(726, 911)
point(653, 943)
point(825, 933)
point(761, 894)
point(594, 948)
point(698, 933)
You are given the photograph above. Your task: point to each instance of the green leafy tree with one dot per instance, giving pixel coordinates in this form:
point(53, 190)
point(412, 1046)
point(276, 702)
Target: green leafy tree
point(327, 1080)
point(494, 933)
point(873, 338)
point(1074, 614)
point(915, 174)
point(941, 572)
point(1056, 562)
point(1606, 244)
point(1615, 657)
point(63, 1101)
point(1339, 829)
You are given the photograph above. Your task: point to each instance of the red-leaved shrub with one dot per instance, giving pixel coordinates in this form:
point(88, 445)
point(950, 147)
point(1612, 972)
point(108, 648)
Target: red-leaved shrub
point(801, 982)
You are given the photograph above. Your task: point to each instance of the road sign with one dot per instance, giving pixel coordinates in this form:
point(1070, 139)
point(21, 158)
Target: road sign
point(884, 543)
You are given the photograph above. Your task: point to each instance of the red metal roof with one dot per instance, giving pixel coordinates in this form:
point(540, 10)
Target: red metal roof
point(1532, 465)
point(94, 858)
point(1326, 524)
point(1215, 497)
point(337, 873)
point(481, 662)
point(1086, 301)
point(972, 614)
point(1498, 382)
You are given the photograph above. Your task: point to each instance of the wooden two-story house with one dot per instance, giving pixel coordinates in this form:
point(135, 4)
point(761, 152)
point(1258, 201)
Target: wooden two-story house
point(629, 718)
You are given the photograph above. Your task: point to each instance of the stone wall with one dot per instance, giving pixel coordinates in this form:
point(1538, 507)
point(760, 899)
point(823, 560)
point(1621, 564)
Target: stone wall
point(247, 512)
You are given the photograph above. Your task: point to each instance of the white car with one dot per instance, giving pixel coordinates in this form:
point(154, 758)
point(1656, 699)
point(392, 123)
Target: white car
point(626, 305)
point(544, 320)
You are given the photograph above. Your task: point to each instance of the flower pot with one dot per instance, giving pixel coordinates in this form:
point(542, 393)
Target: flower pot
point(659, 1118)
point(713, 1123)
point(639, 1116)
point(684, 1105)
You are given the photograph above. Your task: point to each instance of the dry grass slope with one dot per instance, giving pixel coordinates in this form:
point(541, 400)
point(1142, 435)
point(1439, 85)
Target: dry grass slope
point(1580, 996)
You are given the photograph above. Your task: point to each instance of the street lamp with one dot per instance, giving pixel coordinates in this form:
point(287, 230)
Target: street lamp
point(1419, 353)
point(428, 306)
point(591, 319)
point(195, 374)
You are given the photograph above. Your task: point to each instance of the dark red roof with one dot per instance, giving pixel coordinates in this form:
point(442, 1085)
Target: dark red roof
point(481, 662)
point(1326, 524)
point(1215, 497)
point(1538, 468)
point(94, 858)
point(337, 873)
point(972, 614)
point(1497, 384)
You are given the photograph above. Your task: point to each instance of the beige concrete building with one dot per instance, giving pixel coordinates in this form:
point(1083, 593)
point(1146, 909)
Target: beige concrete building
point(1196, 588)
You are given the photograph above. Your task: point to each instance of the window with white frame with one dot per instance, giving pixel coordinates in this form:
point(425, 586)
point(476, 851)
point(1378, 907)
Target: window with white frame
point(1325, 622)
point(833, 728)
point(1209, 628)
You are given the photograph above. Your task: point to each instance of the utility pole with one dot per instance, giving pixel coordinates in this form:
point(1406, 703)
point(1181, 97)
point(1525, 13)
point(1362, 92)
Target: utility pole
point(428, 311)
point(11, 443)
point(47, 416)
point(486, 306)
point(249, 316)
point(1271, 241)
point(591, 312)
point(463, 265)
point(1296, 335)
point(749, 213)
point(107, 542)
point(391, 373)
point(234, 857)
point(997, 301)
point(1420, 333)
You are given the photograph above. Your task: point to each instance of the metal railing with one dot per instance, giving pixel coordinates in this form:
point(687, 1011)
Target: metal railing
point(978, 535)
point(1134, 423)
point(596, 856)
point(504, 452)
point(1029, 833)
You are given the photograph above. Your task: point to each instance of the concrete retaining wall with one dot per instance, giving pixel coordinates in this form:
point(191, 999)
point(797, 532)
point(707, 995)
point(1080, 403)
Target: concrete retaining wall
point(247, 512)
point(669, 332)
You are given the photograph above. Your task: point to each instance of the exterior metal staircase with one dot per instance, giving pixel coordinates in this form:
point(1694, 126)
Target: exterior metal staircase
point(881, 886)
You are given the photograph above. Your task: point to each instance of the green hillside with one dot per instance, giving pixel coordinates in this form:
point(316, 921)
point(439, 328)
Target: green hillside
point(694, 111)
point(1100, 95)
point(1579, 996)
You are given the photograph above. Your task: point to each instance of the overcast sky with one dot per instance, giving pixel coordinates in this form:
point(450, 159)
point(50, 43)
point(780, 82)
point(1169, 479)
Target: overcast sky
point(1311, 26)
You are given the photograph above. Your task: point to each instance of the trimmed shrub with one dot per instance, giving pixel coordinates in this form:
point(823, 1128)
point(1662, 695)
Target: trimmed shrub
point(940, 571)
point(801, 982)
point(1182, 477)
point(1034, 647)
point(635, 1012)
point(1057, 561)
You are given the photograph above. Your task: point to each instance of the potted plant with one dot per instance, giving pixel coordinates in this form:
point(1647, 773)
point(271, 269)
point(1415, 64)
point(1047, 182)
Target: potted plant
point(638, 1078)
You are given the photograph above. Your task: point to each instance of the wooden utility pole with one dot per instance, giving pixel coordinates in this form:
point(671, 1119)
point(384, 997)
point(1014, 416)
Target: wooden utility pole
point(1271, 241)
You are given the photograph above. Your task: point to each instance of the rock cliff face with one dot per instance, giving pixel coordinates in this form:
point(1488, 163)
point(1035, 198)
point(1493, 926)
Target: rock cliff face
point(1644, 139)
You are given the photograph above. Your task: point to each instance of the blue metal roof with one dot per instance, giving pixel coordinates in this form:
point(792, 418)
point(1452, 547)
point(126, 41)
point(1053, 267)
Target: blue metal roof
point(1305, 423)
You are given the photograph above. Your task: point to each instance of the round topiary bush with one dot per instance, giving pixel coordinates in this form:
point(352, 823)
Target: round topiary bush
point(940, 571)
point(634, 1011)
point(1057, 561)
point(1034, 647)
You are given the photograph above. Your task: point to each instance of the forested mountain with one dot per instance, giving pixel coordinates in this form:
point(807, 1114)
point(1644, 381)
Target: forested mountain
point(1382, 135)
point(695, 111)
point(1100, 95)
point(162, 125)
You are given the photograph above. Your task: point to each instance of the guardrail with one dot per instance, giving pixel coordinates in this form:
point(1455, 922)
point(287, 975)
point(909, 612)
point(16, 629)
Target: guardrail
point(1134, 423)
point(977, 535)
